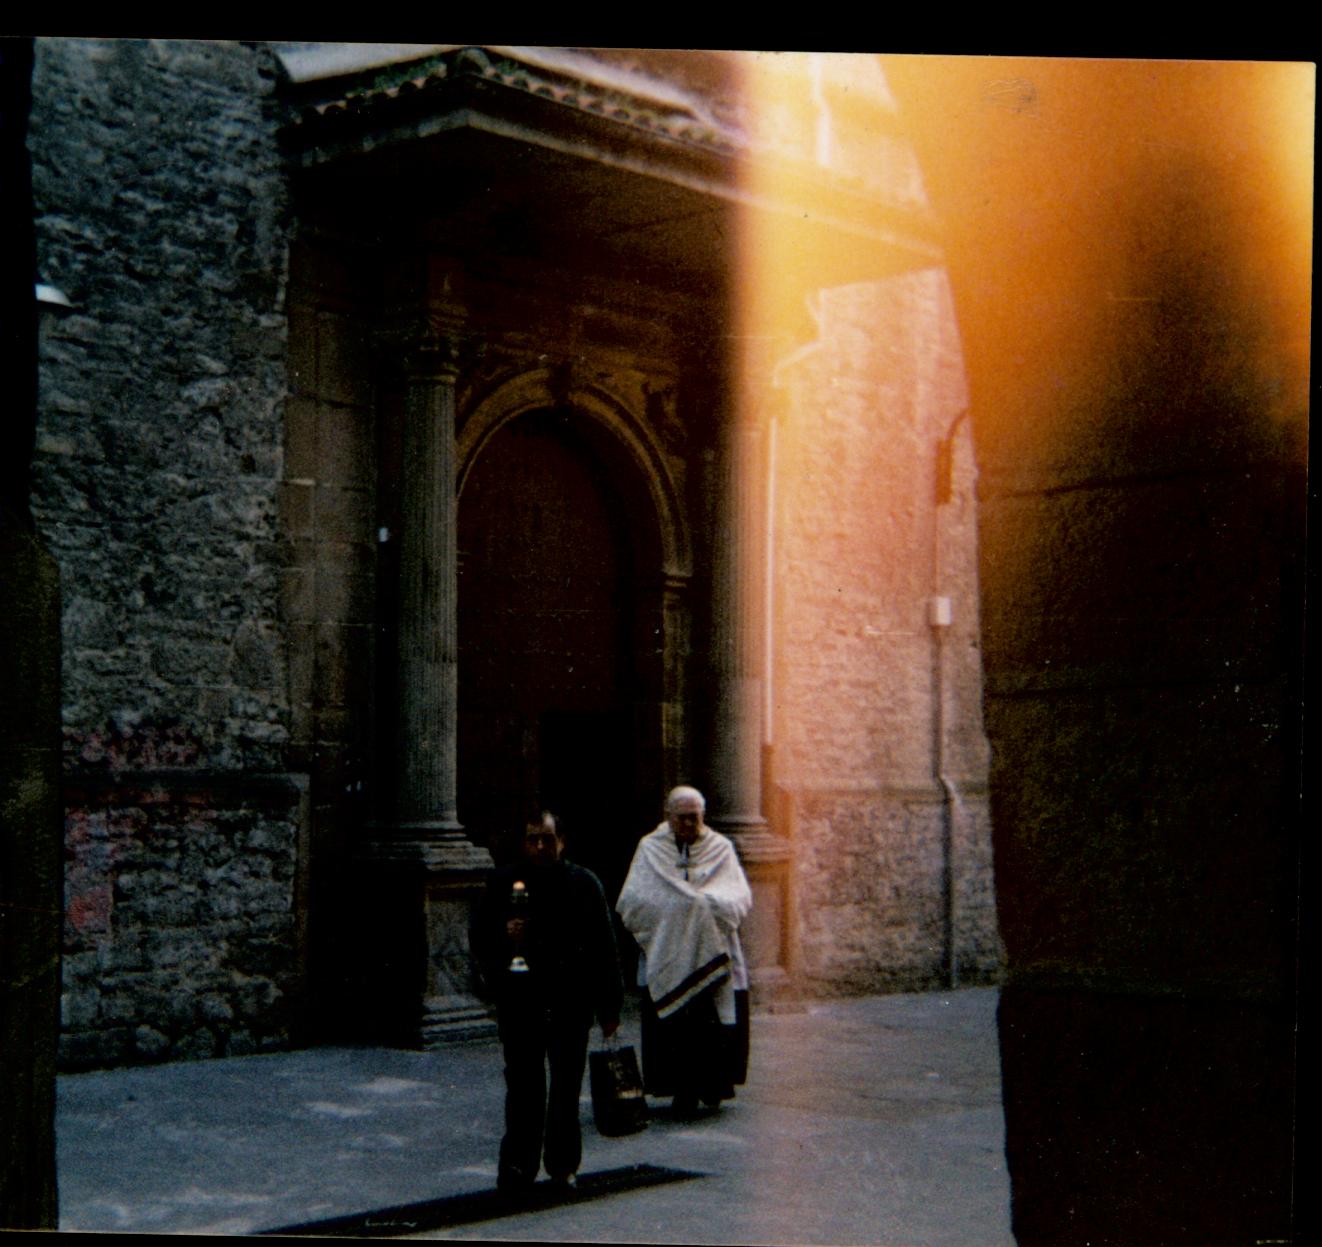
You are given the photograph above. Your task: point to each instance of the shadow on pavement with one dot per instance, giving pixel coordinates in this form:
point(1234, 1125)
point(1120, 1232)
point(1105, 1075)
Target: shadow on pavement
point(435, 1214)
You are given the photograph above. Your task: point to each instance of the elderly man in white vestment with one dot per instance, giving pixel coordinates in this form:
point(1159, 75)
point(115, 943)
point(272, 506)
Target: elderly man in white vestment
point(683, 900)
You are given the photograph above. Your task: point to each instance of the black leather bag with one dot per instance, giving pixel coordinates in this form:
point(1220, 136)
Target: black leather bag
point(618, 1104)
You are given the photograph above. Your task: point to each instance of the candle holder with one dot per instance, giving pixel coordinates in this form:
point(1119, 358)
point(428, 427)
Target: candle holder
point(519, 904)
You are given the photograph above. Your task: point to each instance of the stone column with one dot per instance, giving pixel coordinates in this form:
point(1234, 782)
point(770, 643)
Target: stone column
point(428, 597)
point(736, 649)
point(675, 744)
point(428, 870)
point(737, 661)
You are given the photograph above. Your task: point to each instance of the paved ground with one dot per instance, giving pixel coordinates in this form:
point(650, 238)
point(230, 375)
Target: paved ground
point(870, 1121)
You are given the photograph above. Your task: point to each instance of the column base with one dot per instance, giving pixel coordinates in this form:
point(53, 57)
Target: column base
point(434, 845)
point(419, 881)
point(771, 989)
point(448, 1020)
point(756, 844)
point(767, 933)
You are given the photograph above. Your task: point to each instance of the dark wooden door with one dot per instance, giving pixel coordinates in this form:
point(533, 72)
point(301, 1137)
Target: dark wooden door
point(547, 616)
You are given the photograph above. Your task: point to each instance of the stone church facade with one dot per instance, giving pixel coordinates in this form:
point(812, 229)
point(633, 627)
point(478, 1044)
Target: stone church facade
point(416, 452)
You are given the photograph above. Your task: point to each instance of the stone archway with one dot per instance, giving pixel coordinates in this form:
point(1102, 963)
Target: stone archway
point(561, 604)
point(629, 443)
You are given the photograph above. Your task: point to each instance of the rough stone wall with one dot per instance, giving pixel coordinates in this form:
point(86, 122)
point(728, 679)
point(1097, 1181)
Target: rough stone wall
point(160, 202)
point(862, 546)
point(178, 925)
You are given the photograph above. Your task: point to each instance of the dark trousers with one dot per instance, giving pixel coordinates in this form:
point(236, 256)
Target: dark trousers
point(541, 1126)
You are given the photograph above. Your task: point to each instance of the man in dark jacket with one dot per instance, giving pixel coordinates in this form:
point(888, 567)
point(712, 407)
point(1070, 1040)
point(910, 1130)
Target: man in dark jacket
point(545, 945)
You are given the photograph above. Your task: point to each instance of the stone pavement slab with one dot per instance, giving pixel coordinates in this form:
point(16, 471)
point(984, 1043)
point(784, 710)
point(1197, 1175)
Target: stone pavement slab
point(874, 1120)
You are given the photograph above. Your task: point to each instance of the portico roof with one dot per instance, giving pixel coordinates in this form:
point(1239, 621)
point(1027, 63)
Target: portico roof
point(637, 163)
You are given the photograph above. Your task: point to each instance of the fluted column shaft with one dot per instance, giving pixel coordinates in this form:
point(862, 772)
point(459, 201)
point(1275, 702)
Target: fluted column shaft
point(736, 649)
point(675, 742)
point(428, 587)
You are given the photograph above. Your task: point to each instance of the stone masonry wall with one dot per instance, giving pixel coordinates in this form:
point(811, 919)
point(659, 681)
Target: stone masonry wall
point(328, 595)
point(328, 516)
point(862, 546)
point(161, 212)
point(178, 924)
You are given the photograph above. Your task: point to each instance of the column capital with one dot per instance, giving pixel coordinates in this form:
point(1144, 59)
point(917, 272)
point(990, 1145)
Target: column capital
point(428, 344)
point(425, 357)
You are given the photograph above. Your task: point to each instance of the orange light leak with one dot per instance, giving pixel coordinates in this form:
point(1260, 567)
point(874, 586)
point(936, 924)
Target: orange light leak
point(809, 119)
point(1087, 204)
point(780, 260)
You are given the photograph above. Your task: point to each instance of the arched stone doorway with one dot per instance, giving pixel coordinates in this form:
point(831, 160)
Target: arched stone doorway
point(560, 662)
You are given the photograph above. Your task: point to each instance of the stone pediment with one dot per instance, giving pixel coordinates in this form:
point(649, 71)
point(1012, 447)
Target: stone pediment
point(650, 162)
point(573, 82)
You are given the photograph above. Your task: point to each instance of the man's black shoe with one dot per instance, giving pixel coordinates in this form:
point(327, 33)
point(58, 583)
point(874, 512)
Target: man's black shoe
point(514, 1182)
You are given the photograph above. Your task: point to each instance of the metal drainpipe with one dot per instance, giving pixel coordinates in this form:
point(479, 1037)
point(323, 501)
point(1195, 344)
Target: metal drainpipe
point(947, 814)
point(939, 618)
point(790, 919)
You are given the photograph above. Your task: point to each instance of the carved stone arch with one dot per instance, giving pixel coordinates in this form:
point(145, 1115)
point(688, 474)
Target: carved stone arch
point(544, 387)
point(535, 731)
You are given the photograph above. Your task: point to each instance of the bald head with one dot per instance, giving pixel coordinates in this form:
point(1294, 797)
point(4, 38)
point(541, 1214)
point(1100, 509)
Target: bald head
point(684, 810)
point(686, 796)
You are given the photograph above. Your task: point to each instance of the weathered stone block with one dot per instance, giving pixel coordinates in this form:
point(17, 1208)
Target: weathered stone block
point(92, 1049)
point(150, 1044)
point(255, 661)
point(79, 1008)
point(345, 515)
point(343, 352)
point(118, 1007)
point(215, 1008)
point(297, 604)
point(345, 444)
point(197, 1045)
